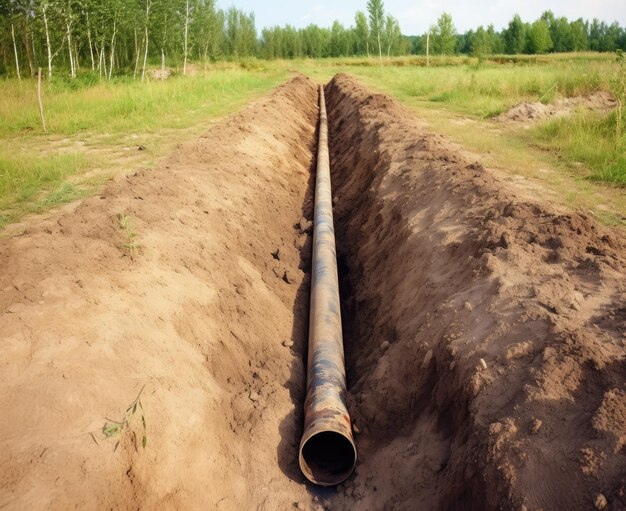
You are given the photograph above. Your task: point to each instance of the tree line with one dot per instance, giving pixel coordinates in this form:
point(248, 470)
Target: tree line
point(374, 33)
point(119, 36)
point(546, 34)
point(124, 36)
point(111, 37)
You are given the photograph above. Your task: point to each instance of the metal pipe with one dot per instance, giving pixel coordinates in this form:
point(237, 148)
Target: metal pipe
point(327, 451)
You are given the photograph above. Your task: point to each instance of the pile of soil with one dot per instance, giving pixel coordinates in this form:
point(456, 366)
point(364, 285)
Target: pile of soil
point(484, 334)
point(599, 101)
point(186, 281)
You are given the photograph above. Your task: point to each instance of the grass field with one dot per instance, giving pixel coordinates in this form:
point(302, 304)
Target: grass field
point(579, 159)
point(95, 128)
point(99, 126)
point(483, 90)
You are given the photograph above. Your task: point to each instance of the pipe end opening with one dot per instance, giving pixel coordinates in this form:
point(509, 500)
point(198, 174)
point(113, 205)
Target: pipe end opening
point(327, 458)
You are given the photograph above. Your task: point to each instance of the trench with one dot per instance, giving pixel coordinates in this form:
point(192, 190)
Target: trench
point(450, 348)
point(390, 398)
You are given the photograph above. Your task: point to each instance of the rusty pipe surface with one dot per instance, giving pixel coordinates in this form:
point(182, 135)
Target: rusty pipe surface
point(327, 451)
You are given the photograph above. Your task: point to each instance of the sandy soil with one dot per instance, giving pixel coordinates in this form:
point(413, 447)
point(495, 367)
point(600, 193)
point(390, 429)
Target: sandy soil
point(199, 316)
point(485, 334)
point(531, 112)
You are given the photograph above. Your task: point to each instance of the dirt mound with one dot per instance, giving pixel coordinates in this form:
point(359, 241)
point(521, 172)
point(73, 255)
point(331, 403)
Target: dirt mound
point(600, 101)
point(186, 281)
point(484, 335)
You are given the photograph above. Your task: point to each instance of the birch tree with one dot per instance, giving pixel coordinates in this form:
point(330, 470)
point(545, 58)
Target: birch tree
point(145, 55)
point(93, 64)
point(17, 60)
point(444, 35)
point(186, 36)
point(50, 16)
point(392, 35)
point(207, 29)
point(362, 33)
point(376, 11)
point(69, 19)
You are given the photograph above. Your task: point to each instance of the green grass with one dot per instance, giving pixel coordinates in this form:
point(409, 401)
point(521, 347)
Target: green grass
point(573, 158)
point(589, 139)
point(96, 126)
point(91, 121)
point(488, 89)
point(22, 176)
point(127, 106)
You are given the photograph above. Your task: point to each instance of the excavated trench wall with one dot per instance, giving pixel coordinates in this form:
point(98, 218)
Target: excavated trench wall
point(189, 281)
point(479, 374)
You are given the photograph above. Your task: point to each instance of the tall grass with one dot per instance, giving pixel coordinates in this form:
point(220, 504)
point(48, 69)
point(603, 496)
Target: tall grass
point(25, 178)
point(587, 138)
point(21, 176)
point(35, 166)
point(484, 90)
point(126, 105)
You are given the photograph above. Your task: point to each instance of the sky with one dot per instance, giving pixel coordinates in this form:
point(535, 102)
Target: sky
point(416, 16)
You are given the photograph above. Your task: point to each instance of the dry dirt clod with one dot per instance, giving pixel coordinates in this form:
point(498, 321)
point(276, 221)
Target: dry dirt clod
point(535, 426)
point(287, 344)
point(300, 505)
point(427, 358)
point(276, 254)
point(600, 501)
point(288, 277)
point(505, 240)
point(384, 346)
point(15, 308)
point(304, 225)
point(254, 396)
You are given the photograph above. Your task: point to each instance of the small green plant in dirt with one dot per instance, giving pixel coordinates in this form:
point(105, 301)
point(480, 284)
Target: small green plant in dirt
point(114, 429)
point(131, 245)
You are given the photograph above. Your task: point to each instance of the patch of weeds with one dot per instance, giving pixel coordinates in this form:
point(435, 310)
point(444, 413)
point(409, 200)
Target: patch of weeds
point(549, 95)
point(618, 86)
point(131, 245)
point(114, 429)
point(62, 195)
point(614, 172)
